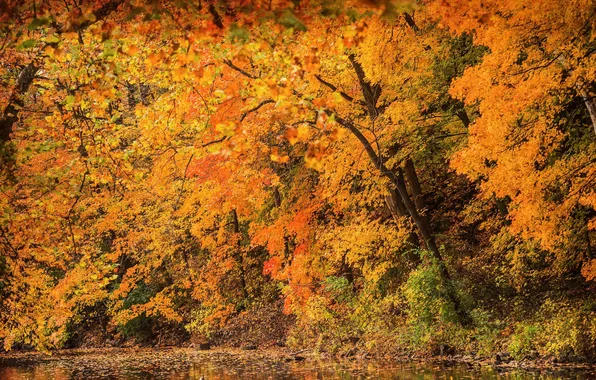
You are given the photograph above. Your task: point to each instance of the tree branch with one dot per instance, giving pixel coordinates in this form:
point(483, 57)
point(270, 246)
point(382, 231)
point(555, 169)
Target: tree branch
point(334, 88)
point(264, 102)
point(371, 93)
point(16, 102)
point(214, 141)
point(183, 182)
point(217, 20)
point(411, 23)
point(241, 71)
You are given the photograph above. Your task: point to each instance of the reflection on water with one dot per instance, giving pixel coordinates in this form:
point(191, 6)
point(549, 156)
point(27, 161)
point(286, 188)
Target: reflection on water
point(191, 364)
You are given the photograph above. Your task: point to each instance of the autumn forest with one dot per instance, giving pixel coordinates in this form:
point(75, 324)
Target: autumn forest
point(408, 176)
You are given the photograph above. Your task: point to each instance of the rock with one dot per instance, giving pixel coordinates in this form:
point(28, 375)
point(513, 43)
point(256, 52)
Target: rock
point(445, 350)
point(297, 358)
point(249, 347)
point(502, 357)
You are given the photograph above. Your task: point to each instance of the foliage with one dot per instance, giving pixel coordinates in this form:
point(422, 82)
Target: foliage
point(420, 170)
point(523, 340)
point(198, 324)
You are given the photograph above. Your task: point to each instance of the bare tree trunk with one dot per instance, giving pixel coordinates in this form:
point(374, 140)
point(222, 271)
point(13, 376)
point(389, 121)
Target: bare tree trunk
point(590, 103)
point(276, 197)
point(415, 188)
point(347, 272)
point(16, 101)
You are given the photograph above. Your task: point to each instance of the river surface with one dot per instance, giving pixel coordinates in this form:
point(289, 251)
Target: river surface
point(183, 363)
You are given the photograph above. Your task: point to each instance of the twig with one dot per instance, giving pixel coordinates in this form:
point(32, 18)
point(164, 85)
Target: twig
point(183, 182)
point(241, 71)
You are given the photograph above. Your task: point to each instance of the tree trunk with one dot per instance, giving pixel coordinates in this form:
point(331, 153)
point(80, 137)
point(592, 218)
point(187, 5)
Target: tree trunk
point(420, 222)
point(415, 188)
point(463, 116)
point(276, 197)
point(277, 203)
point(239, 256)
point(16, 102)
point(590, 105)
point(371, 95)
point(398, 210)
point(426, 232)
point(347, 272)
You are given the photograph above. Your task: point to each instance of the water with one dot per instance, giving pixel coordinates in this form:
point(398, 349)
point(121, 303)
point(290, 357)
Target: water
point(181, 363)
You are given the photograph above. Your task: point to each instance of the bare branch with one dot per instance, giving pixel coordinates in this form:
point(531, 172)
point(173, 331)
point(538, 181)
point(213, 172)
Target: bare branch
point(214, 141)
point(370, 92)
point(183, 182)
point(334, 88)
point(264, 102)
point(241, 71)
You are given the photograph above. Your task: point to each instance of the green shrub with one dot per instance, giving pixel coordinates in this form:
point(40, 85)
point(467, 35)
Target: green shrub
point(431, 316)
point(141, 327)
point(523, 341)
point(198, 324)
point(569, 330)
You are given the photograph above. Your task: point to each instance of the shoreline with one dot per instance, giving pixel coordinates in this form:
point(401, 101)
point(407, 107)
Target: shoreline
point(31, 357)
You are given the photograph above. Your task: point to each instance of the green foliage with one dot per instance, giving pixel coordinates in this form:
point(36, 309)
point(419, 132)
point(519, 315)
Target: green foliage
point(339, 288)
point(426, 296)
point(38, 22)
point(199, 324)
point(523, 341)
point(486, 335)
point(559, 329)
point(353, 321)
point(238, 33)
point(289, 20)
point(139, 295)
point(569, 331)
point(27, 44)
point(141, 328)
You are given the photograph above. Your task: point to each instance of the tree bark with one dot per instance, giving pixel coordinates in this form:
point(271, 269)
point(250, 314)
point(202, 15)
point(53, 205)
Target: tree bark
point(590, 105)
point(16, 101)
point(415, 188)
point(240, 258)
point(276, 197)
point(463, 116)
point(398, 211)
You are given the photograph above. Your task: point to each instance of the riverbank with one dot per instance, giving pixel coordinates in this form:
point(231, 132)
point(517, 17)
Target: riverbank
point(138, 361)
point(266, 329)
